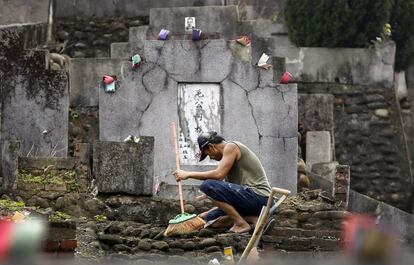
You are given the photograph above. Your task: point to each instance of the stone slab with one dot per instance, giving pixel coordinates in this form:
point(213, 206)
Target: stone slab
point(345, 65)
point(124, 167)
point(326, 171)
point(402, 223)
point(24, 11)
point(318, 147)
point(43, 162)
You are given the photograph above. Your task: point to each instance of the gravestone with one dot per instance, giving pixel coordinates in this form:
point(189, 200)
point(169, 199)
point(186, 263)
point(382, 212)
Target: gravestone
point(124, 167)
point(247, 106)
point(318, 147)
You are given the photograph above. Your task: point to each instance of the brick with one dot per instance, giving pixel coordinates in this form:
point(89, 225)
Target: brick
point(68, 245)
point(50, 245)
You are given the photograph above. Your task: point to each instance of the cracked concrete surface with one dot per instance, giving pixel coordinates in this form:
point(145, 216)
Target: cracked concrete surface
point(254, 109)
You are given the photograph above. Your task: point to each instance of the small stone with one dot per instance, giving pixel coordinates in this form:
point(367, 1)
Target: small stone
point(331, 214)
point(80, 45)
point(79, 35)
point(78, 54)
point(176, 251)
point(121, 247)
point(395, 197)
point(144, 245)
point(213, 249)
point(159, 236)
point(135, 23)
point(95, 244)
point(383, 113)
point(208, 242)
point(175, 244)
point(145, 233)
point(5, 197)
point(62, 35)
point(287, 213)
point(206, 233)
point(110, 239)
point(160, 245)
point(188, 208)
point(99, 42)
point(190, 245)
point(302, 166)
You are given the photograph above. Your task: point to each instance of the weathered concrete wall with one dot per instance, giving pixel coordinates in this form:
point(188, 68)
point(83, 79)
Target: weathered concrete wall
point(128, 8)
point(84, 87)
point(225, 20)
point(35, 100)
point(24, 11)
point(316, 111)
point(259, 9)
point(344, 65)
point(368, 137)
point(254, 110)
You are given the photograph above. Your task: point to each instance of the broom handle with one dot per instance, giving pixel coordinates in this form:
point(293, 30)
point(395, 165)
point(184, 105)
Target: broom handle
point(177, 163)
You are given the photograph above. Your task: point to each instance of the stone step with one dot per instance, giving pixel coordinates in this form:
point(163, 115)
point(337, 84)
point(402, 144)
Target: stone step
point(300, 243)
point(296, 232)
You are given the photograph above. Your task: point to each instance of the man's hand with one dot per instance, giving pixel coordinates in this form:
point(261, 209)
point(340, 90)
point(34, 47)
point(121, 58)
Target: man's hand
point(181, 175)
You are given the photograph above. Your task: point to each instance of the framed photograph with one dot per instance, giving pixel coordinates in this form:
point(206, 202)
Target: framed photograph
point(189, 23)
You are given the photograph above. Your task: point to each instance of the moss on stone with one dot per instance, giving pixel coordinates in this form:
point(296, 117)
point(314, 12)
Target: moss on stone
point(100, 218)
point(67, 178)
point(59, 216)
point(11, 205)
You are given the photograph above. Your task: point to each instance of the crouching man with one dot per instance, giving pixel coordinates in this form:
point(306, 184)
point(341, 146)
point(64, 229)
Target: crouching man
point(240, 198)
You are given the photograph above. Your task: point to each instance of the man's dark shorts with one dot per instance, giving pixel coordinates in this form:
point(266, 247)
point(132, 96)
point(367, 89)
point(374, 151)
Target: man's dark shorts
point(242, 198)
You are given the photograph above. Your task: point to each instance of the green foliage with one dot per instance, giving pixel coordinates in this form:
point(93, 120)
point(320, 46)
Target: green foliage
point(339, 23)
point(402, 23)
point(59, 216)
point(11, 205)
point(100, 218)
point(67, 178)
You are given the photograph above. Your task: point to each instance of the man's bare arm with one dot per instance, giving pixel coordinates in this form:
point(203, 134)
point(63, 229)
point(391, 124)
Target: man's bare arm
point(229, 157)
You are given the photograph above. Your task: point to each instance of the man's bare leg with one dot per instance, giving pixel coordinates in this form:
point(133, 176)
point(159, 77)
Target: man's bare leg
point(240, 225)
point(222, 222)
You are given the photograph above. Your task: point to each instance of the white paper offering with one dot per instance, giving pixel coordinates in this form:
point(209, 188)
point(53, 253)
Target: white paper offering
point(263, 60)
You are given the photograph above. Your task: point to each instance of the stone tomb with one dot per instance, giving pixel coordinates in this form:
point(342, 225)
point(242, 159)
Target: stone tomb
point(124, 167)
point(251, 108)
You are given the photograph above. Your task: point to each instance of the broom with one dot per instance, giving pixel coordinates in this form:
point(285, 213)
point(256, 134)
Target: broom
point(183, 223)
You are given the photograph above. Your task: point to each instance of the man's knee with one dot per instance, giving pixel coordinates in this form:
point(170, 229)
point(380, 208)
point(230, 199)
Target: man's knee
point(208, 186)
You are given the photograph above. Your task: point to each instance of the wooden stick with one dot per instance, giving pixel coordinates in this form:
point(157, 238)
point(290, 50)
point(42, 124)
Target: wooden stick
point(264, 215)
point(177, 163)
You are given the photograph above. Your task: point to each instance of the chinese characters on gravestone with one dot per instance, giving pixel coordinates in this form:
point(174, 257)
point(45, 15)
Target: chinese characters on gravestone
point(198, 106)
